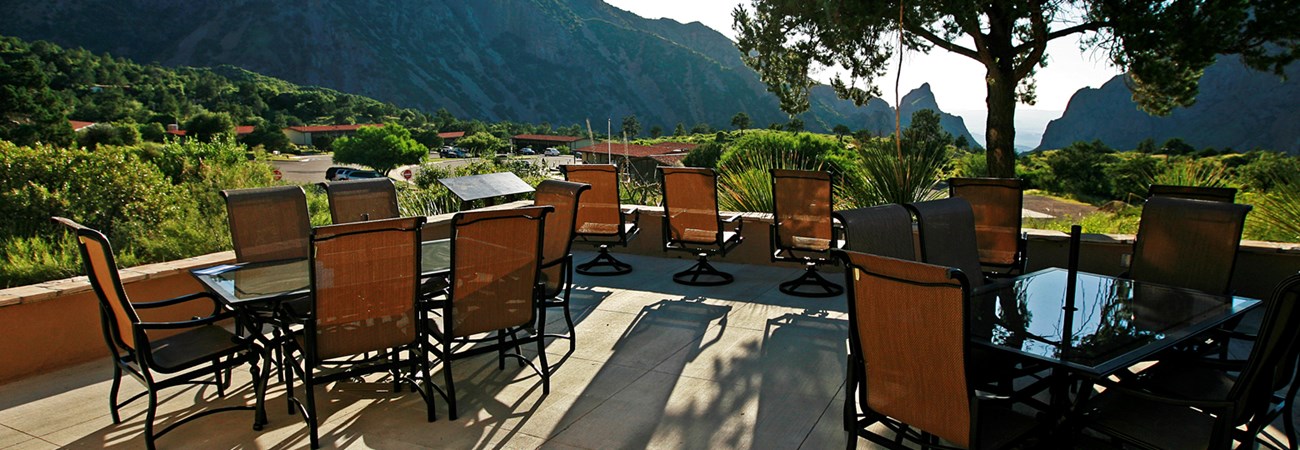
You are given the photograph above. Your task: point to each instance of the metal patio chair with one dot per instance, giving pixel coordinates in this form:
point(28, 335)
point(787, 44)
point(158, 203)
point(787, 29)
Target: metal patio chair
point(802, 229)
point(692, 223)
point(601, 221)
point(557, 261)
point(357, 200)
point(884, 230)
point(998, 204)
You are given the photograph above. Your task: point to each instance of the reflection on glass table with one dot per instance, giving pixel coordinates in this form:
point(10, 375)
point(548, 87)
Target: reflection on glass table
point(1115, 322)
point(267, 281)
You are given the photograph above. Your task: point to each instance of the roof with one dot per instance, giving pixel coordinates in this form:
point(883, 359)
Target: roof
point(78, 125)
point(321, 128)
point(239, 130)
point(669, 160)
point(546, 138)
point(452, 134)
point(640, 151)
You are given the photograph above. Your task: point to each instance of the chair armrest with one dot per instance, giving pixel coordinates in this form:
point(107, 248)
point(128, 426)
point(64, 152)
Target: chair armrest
point(186, 323)
point(734, 218)
point(1217, 406)
point(216, 305)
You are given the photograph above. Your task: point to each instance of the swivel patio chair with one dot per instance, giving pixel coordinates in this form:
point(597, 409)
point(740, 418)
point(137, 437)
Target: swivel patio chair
point(947, 235)
point(1188, 243)
point(802, 229)
point(199, 348)
point(692, 223)
point(997, 204)
point(364, 285)
point(884, 230)
point(1211, 403)
point(356, 200)
point(909, 358)
point(496, 258)
point(1210, 194)
point(557, 262)
point(601, 221)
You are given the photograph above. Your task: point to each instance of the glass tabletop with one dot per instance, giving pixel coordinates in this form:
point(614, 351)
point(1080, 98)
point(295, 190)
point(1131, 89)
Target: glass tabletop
point(1115, 322)
point(259, 282)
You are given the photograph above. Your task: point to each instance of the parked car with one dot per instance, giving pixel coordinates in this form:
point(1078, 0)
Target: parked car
point(552, 152)
point(348, 173)
point(453, 152)
point(527, 151)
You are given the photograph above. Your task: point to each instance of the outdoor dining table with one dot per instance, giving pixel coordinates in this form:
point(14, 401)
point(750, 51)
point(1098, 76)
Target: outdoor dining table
point(255, 285)
point(1108, 325)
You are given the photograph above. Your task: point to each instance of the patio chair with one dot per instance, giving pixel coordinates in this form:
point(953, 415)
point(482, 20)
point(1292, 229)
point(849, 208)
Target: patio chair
point(802, 229)
point(1210, 194)
point(997, 204)
point(884, 230)
point(601, 221)
point(1188, 243)
point(496, 257)
point(364, 285)
point(200, 347)
point(1211, 403)
point(557, 262)
point(909, 358)
point(692, 223)
point(357, 200)
point(947, 235)
point(268, 224)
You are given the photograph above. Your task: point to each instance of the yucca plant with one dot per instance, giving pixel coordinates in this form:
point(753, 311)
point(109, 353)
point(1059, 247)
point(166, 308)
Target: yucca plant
point(745, 180)
point(893, 173)
point(1201, 172)
point(1280, 210)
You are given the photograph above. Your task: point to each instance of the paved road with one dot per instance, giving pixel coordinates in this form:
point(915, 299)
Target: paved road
point(311, 169)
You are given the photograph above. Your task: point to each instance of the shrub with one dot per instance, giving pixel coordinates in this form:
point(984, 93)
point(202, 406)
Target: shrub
point(1077, 170)
point(890, 174)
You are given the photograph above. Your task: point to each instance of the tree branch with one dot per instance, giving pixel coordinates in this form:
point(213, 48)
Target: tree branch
point(1038, 26)
point(1080, 28)
point(940, 42)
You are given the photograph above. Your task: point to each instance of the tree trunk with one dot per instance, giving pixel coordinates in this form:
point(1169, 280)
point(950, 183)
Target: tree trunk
point(1000, 130)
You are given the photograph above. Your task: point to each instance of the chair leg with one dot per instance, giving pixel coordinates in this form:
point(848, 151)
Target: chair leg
point(604, 264)
point(541, 356)
point(312, 421)
point(702, 269)
point(261, 373)
point(451, 385)
point(112, 393)
point(811, 277)
point(149, 416)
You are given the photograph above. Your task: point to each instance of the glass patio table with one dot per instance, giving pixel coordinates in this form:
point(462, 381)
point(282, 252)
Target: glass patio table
point(1114, 322)
point(253, 284)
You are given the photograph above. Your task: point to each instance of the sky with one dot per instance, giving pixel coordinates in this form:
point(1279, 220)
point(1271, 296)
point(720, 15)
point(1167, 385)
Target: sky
point(957, 81)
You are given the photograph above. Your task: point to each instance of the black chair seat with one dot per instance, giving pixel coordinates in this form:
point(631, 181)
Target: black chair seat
point(1159, 424)
point(193, 347)
point(1000, 426)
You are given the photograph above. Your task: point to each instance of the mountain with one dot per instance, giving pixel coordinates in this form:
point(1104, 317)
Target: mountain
point(923, 98)
point(556, 61)
point(1237, 108)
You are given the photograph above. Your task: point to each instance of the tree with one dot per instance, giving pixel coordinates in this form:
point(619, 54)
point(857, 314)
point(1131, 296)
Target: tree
point(481, 143)
point(840, 131)
point(1164, 46)
point(206, 126)
point(270, 137)
point(381, 148)
point(631, 127)
point(740, 121)
point(656, 131)
point(796, 125)
point(925, 126)
point(680, 130)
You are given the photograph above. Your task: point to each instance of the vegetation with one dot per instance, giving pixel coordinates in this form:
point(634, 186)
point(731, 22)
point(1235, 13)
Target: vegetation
point(1164, 46)
point(381, 148)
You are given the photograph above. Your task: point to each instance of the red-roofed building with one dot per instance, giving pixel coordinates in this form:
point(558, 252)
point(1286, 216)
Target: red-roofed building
point(78, 125)
point(640, 160)
point(448, 137)
point(302, 135)
point(240, 131)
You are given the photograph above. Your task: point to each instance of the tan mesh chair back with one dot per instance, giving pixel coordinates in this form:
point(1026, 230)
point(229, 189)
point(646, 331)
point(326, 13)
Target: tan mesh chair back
point(997, 204)
point(358, 200)
point(365, 278)
point(947, 231)
point(101, 268)
point(1210, 194)
point(884, 230)
point(565, 198)
point(908, 322)
point(1188, 243)
point(495, 259)
point(268, 224)
point(599, 211)
point(801, 207)
point(690, 205)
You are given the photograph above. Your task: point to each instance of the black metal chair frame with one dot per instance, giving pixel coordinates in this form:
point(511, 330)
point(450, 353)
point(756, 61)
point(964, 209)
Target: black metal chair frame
point(560, 299)
point(604, 263)
point(443, 345)
point(389, 361)
point(140, 362)
point(332, 190)
point(702, 268)
point(811, 277)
